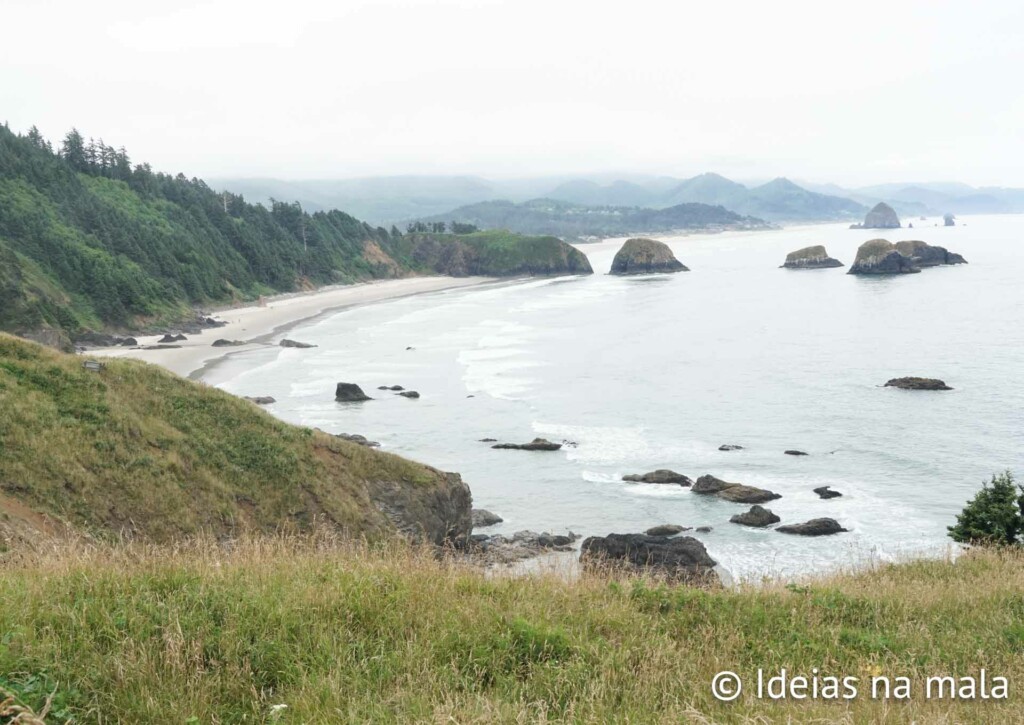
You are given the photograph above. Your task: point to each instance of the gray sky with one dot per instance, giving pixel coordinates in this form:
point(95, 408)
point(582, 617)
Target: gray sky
point(854, 93)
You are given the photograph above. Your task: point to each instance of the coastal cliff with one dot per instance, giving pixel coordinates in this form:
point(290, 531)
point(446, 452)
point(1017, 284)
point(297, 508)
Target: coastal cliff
point(495, 253)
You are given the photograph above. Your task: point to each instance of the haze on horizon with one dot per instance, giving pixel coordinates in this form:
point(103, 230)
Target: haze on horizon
point(855, 94)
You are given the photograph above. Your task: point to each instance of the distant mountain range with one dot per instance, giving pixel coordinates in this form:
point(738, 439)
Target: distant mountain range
point(575, 221)
point(397, 199)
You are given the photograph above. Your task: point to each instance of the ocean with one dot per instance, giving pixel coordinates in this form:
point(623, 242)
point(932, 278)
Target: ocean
point(658, 371)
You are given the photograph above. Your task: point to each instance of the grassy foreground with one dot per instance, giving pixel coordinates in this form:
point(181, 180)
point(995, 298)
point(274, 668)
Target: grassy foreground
point(279, 629)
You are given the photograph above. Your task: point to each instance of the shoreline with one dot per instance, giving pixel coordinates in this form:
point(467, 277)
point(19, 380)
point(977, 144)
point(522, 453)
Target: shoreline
point(256, 325)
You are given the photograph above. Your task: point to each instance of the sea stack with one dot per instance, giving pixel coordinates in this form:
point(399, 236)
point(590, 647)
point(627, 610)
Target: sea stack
point(810, 258)
point(645, 256)
point(882, 216)
point(879, 256)
point(948, 220)
point(923, 254)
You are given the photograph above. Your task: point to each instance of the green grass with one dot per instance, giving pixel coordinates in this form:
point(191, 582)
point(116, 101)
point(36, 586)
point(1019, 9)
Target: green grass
point(344, 633)
point(137, 450)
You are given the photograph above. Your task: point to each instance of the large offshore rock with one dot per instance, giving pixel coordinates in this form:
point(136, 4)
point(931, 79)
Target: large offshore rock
point(880, 256)
point(815, 257)
point(913, 383)
point(882, 216)
point(349, 393)
point(923, 254)
point(662, 475)
point(814, 527)
point(645, 256)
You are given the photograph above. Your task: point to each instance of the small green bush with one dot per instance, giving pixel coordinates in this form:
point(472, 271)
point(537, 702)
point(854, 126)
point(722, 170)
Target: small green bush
point(994, 515)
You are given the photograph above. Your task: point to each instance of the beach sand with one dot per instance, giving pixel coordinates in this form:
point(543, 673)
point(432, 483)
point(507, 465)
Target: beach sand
point(257, 325)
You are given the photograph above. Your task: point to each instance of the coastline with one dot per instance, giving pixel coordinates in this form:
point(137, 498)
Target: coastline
point(256, 325)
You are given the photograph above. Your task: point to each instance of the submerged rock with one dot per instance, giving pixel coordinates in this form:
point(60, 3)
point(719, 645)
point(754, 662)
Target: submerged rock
point(681, 558)
point(795, 453)
point(827, 492)
point(810, 258)
point(913, 383)
point(666, 530)
point(923, 254)
point(409, 394)
point(757, 516)
point(882, 216)
point(292, 343)
point(814, 527)
point(349, 393)
point(645, 256)
point(537, 444)
point(662, 475)
point(703, 529)
point(483, 518)
point(730, 447)
point(228, 343)
point(879, 256)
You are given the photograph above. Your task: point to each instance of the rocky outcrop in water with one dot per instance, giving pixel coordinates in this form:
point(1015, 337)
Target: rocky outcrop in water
point(680, 558)
point(922, 254)
point(645, 256)
point(349, 393)
point(537, 444)
point(814, 527)
point(757, 516)
point(228, 343)
point(662, 475)
point(826, 492)
point(810, 258)
point(295, 344)
point(735, 492)
point(948, 220)
point(169, 338)
point(409, 394)
point(879, 256)
point(794, 453)
point(483, 518)
point(666, 530)
point(729, 447)
point(261, 399)
point(917, 384)
point(882, 216)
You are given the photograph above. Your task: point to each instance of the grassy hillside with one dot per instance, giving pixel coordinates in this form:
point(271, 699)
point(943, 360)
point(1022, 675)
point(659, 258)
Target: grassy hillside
point(279, 630)
point(134, 449)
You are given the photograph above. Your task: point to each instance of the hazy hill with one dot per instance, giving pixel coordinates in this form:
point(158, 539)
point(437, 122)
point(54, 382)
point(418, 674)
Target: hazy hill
point(564, 219)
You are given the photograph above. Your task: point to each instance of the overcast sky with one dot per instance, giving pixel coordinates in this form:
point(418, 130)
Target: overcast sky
point(854, 93)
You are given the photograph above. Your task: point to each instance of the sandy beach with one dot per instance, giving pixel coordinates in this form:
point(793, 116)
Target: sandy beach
point(257, 325)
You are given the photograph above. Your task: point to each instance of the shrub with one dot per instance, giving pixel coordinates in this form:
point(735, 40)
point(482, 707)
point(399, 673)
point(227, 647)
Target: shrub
point(994, 515)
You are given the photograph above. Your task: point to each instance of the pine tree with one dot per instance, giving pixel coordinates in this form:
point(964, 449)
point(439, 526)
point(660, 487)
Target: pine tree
point(993, 516)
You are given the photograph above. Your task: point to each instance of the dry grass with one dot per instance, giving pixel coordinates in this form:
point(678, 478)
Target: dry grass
point(336, 631)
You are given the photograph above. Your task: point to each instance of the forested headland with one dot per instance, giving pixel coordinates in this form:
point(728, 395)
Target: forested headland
point(91, 240)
